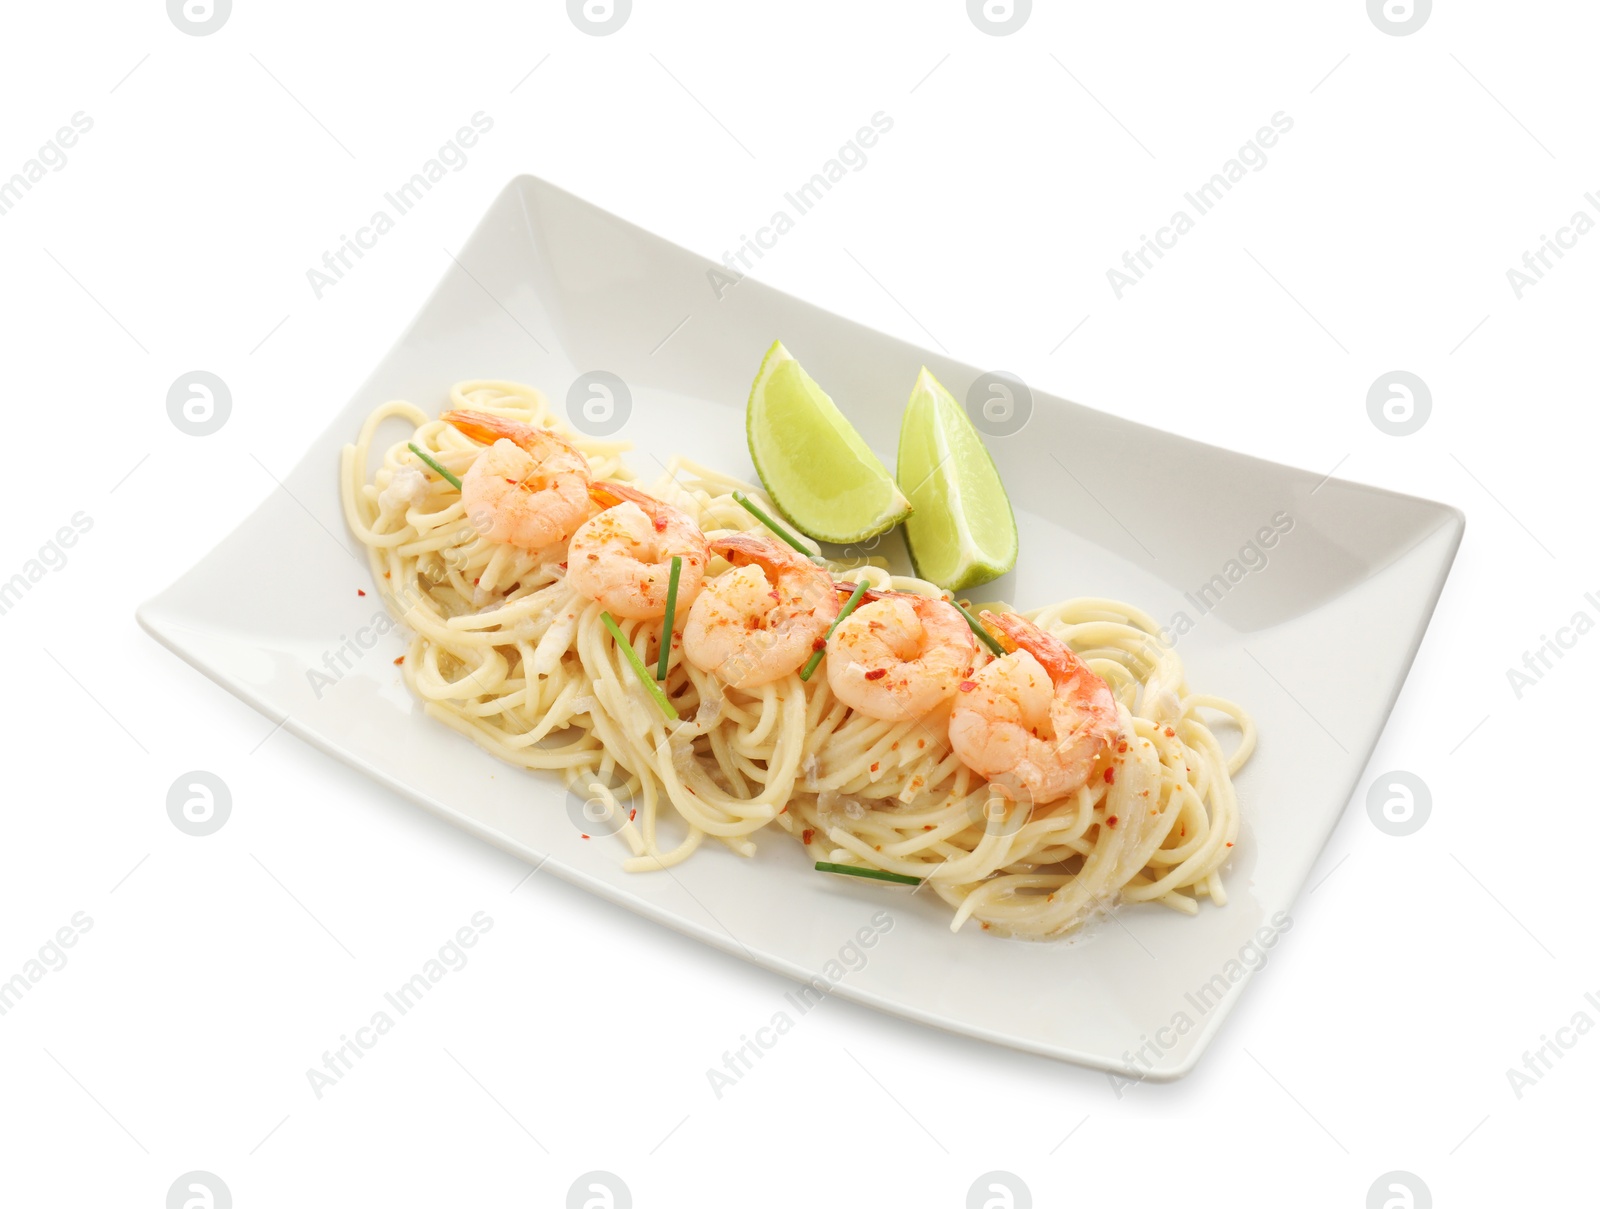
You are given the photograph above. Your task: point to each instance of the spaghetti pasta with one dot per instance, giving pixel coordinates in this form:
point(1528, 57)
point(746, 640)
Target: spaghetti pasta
point(504, 650)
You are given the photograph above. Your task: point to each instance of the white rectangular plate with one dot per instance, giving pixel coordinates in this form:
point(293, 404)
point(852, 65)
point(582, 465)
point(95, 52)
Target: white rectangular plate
point(1315, 643)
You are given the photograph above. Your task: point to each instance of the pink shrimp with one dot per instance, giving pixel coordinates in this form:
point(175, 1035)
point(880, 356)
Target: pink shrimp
point(622, 557)
point(762, 620)
point(529, 488)
point(900, 655)
point(1035, 721)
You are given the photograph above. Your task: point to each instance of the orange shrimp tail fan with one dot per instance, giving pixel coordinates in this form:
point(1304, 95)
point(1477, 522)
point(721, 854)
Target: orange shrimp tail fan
point(1007, 629)
point(608, 494)
point(486, 429)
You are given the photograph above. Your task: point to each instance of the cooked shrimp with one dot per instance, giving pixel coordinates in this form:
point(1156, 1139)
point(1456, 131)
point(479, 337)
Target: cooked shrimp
point(622, 557)
point(900, 655)
point(1035, 720)
point(762, 620)
point(530, 488)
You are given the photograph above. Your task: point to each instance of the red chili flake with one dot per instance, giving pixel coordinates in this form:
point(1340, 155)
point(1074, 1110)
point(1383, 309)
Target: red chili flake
point(359, 592)
point(919, 743)
point(1111, 820)
point(633, 814)
point(806, 835)
point(874, 767)
point(1111, 776)
point(386, 575)
point(927, 826)
point(967, 686)
point(877, 673)
point(584, 836)
point(399, 659)
point(985, 927)
point(594, 558)
point(819, 644)
point(563, 564)
point(895, 746)
point(775, 597)
point(1230, 843)
point(1170, 732)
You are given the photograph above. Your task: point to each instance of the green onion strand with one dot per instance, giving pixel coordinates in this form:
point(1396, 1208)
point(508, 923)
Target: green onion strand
point(880, 875)
point(638, 666)
point(755, 510)
point(849, 608)
point(445, 474)
point(987, 638)
point(666, 622)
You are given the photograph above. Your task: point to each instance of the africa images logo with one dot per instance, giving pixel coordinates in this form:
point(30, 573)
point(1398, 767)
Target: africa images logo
point(197, 18)
point(999, 1190)
point(599, 1190)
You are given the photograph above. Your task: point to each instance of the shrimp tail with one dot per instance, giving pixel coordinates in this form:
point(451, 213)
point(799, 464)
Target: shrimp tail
point(998, 629)
point(1016, 631)
point(867, 597)
point(487, 429)
point(742, 549)
point(917, 599)
point(608, 494)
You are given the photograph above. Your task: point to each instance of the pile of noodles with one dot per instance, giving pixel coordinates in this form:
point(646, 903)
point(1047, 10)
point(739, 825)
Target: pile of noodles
point(506, 653)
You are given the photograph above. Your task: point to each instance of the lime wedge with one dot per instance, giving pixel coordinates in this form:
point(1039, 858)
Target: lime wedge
point(816, 468)
point(962, 532)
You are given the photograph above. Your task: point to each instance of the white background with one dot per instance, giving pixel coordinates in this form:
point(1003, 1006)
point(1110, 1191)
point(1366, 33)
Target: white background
point(217, 970)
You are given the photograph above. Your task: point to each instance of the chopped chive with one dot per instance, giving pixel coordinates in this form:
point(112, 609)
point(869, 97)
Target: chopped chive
point(849, 608)
point(754, 510)
point(447, 476)
point(638, 667)
point(899, 879)
point(987, 638)
point(666, 622)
